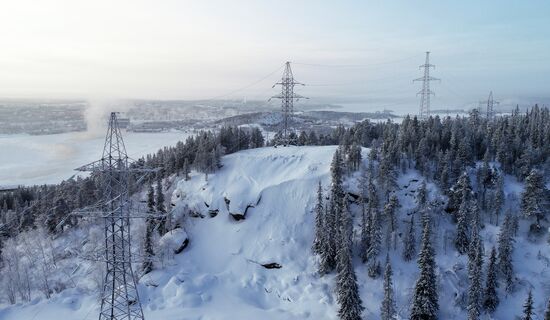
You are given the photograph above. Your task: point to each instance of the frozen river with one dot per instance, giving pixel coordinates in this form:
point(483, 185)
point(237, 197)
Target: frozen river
point(26, 159)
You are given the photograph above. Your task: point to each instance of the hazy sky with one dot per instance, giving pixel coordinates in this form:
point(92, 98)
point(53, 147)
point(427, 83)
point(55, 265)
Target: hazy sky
point(203, 49)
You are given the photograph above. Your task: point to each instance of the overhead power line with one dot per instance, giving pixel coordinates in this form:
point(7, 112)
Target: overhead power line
point(247, 86)
point(368, 65)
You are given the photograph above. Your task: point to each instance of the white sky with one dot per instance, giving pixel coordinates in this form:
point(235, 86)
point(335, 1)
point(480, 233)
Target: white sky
point(201, 49)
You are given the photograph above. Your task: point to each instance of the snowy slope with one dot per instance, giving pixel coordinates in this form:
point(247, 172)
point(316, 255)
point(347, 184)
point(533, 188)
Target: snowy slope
point(224, 254)
point(219, 276)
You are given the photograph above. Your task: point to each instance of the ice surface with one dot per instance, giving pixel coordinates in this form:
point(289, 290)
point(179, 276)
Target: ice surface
point(28, 159)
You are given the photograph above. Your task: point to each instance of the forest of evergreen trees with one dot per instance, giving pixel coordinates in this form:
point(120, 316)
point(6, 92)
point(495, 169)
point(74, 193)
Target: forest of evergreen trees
point(444, 150)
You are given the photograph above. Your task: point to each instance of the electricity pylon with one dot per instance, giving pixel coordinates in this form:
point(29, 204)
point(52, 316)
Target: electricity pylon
point(490, 105)
point(287, 97)
point(425, 92)
point(119, 298)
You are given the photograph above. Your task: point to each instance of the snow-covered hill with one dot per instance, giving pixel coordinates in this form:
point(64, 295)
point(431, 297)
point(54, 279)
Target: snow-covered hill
point(220, 274)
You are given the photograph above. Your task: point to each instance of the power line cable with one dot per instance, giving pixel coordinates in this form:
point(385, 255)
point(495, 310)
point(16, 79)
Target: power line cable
point(356, 65)
point(247, 86)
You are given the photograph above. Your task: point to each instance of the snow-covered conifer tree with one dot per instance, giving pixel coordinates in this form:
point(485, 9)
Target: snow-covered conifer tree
point(319, 222)
point(533, 198)
point(409, 244)
point(390, 212)
point(422, 195)
point(375, 244)
point(147, 265)
point(505, 249)
point(365, 217)
point(461, 192)
point(349, 301)
point(462, 237)
point(161, 209)
point(475, 291)
point(490, 299)
point(425, 304)
point(387, 310)
point(528, 311)
point(499, 199)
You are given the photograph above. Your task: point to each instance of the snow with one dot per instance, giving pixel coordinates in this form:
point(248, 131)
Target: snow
point(227, 253)
point(219, 275)
point(28, 159)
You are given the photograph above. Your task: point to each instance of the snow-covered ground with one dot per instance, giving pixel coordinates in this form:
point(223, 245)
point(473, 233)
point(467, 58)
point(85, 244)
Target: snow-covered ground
point(27, 159)
point(219, 275)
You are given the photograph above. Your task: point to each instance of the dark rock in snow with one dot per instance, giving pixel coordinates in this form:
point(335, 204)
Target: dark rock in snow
point(213, 212)
point(248, 207)
point(237, 216)
point(272, 265)
point(195, 214)
point(182, 247)
point(241, 216)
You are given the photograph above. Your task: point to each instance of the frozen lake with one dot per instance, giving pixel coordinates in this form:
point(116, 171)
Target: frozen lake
point(26, 159)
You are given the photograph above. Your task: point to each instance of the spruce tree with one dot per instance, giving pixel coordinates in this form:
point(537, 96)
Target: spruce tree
point(147, 265)
point(474, 275)
point(366, 236)
point(387, 310)
point(372, 195)
point(484, 179)
point(461, 192)
point(390, 212)
point(499, 198)
point(425, 304)
point(528, 311)
point(387, 176)
point(462, 237)
point(490, 300)
point(409, 244)
point(332, 221)
point(349, 301)
point(474, 248)
point(328, 247)
point(319, 222)
point(505, 249)
point(375, 244)
point(161, 209)
point(337, 191)
point(533, 198)
point(365, 218)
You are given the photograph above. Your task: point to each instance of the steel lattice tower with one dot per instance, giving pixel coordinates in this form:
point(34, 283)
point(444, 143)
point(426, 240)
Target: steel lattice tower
point(425, 92)
point(287, 97)
point(119, 298)
point(490, 105)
